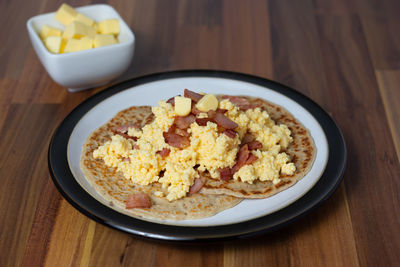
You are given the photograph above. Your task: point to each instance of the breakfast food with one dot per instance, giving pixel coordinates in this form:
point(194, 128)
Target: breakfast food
point(196, 155)
point(80, 33)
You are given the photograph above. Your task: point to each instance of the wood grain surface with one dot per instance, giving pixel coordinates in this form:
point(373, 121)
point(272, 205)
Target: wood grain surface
point(343, 54)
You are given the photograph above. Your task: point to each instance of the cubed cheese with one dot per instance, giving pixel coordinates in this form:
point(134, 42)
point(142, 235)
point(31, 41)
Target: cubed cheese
point(78, 30)
point(86, 43)
point(183, 105)
point(84, 19)
point(109, 26)
point(72, 45)
point(207, 103)
point(53, 44)
point(47, 31)
point(66, 14)
point(104, 40)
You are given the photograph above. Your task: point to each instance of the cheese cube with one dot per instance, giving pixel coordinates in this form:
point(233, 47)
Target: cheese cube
point(47, 31)
point(66, 14)
point(77, 30)
point(109, 26)
point(183, 105)
point(207, 103)
point(53, 44)
point(63, 45)
point(86, 43)
point(104, 40)
point(84, 19)
point(72, 45)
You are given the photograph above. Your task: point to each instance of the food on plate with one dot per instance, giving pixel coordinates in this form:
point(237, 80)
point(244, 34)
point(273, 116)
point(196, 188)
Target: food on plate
point(80, 33)
point(195, 155)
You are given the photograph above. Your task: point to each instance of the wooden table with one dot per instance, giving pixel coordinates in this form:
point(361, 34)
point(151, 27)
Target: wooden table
point(343, 54)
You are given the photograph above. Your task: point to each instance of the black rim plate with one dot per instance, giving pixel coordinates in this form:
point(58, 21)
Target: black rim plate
point(81, 200)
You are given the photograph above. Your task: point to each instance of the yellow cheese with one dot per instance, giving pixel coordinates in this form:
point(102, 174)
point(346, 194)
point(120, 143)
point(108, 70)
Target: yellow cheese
point(86, 43)
point(63, 45)
point(78, 30)
point(207, 103)
point(109, 26)
point(47, 31)
point(183, 105)
point(72, 45)
point(84, 19)
point(104, 40)
point(53, 44)
point(66, 14)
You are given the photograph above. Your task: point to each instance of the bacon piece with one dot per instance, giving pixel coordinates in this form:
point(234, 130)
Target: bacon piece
point(192, 95)
point(247, 138)
point(183, 122)
point(138, 200)
point(195, 111)
point(124, 128)
point(124, 135)
point(176, 140)
point(253, 145)
point(197, 184)
point(252, 158)
point(224, 121)
point(182, 132)
point(230, 133)
point(221, 110)
point(164, 152)
point(203, 121)
point(240, 102)
point(225, 173)
point(126, 160)
point(242, 157)
point(171, 101)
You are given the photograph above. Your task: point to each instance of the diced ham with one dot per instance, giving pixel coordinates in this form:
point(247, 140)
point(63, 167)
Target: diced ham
point(195, 111)
point(241, 158)
point(197, 184)
point(183, 122)
point(164, 152)
point(203, 121)
point(182, 132)
point(225, 173)
point(192, 95)
point(126, 160)
point(176, 140)
point(240, 102)
point(224, 121)
point(252, 158)
point(138, 200)
point(230, 133)
point(124, 135)
point(125, 128)
point(247, 138)
point(253, 145)
point(171, 101)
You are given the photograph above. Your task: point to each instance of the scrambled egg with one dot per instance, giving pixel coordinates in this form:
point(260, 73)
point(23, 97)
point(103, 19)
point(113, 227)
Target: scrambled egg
point(208, 150)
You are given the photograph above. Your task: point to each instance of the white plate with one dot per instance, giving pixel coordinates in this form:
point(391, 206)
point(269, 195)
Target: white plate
point(151, 93)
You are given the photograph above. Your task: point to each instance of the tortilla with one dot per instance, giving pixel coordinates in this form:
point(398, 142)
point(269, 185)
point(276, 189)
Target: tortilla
point(115, 188)
point(215, 196)
point(302, 152)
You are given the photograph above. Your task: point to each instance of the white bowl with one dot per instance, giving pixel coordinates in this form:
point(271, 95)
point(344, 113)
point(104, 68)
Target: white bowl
point(88, 68)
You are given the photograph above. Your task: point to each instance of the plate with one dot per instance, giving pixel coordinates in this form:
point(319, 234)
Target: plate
point(250, 217)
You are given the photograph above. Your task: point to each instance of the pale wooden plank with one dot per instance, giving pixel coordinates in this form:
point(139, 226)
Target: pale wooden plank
point(389, 88)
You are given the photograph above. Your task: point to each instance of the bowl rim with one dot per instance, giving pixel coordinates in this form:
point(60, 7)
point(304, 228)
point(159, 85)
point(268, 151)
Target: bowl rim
point(47, 53)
